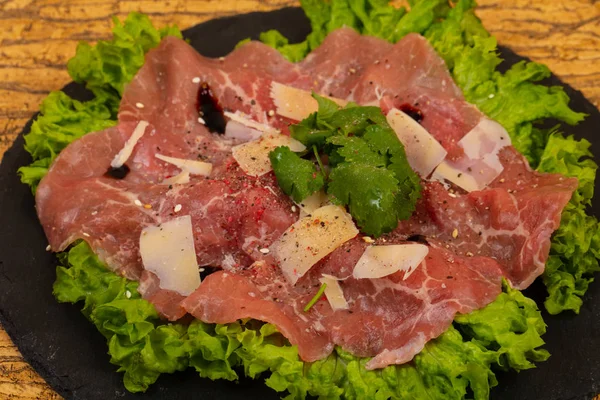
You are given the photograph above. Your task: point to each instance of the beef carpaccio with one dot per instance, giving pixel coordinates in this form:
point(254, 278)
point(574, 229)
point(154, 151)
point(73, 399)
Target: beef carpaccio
point(474, 239)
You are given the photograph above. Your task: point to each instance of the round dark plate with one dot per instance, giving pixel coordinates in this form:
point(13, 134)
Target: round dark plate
point(70, 354)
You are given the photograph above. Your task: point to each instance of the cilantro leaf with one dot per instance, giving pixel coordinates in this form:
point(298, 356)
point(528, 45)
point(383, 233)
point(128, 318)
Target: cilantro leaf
point(354, 120)
point(369, 193)
point(354, 149)
point(327, 108)
point(369, 170)
point(297, 177)
point(384, 140)
point(308, 132)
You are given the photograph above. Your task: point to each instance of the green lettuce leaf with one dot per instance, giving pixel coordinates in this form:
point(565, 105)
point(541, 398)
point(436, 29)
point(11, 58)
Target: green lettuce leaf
point(62, 121)
point(109, 65)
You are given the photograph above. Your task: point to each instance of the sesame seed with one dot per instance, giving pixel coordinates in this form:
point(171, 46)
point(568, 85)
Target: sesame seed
point(264, 251)
point(201, 121)
point(352, 71)
point(368, 239)
point(455, 233)
point(502, 180)
point(86, 234)
point(469, 254)
point(137, 203)
point(48, 248)
point(201, 269)
point(293, 208)
point(177, 208)
point(452, 195)
point(221, 58)
point(491, 96)
point(196, 80)
point(128, 294)
point(245, 65)
point(147, 206)
point(94, 212)
point(271, 113)
point(139, 105)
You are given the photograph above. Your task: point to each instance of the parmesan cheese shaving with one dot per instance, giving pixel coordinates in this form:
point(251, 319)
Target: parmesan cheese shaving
point(235, 130)
point(380, 261)
point(181, 178)
point(250, 123)
point(481, 163)
point(312, 238)
point(462, 179)
point(194, 167)
point(253, 157)
point(423, 152)
point(124, 154)
point(168, 251)
point(334, 293)
point(294, 103)
point(311, 203)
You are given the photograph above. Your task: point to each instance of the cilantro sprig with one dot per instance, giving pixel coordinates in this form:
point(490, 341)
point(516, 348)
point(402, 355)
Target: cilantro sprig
point(368, 169)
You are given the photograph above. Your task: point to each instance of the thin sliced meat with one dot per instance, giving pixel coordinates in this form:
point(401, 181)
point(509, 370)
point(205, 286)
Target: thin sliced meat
point(474, 238)
point(511, 222)
point(419, 308)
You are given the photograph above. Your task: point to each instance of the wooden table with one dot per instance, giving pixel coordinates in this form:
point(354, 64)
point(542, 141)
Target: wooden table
point(37, 37)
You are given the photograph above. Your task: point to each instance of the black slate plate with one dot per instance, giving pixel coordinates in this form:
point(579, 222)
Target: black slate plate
point(71, 355)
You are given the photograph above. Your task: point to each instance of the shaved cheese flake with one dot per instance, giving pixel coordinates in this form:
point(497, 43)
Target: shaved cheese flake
point(168, 251)
point(181, 178)
point(194, 167)
point(423, 152)
point(334, 292)
point(486, 139)
point(235, 130)
point(311, 203)
point(447, 172)
point(380, 261)
point(294, 103)
point(124, 154)
point(481, 163)
point(312, 238)
point(253, 157)
point(243, 119)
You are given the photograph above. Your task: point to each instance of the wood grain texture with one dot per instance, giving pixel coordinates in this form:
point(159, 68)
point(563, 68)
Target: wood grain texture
point(37, 37)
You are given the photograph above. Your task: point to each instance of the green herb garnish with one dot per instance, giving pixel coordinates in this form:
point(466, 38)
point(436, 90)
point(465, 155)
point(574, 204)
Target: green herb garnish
point(369, 172)
point(296, 176)
point(314, 300)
